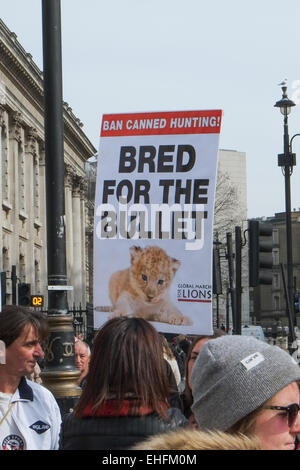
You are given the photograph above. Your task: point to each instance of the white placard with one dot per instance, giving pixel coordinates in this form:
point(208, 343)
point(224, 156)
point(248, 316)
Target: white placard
point(154, 210)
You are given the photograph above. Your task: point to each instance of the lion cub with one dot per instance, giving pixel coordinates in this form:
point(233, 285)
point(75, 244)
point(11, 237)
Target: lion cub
point(142, 290)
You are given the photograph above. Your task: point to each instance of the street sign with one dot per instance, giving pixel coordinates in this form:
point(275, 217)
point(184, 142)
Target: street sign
point(60, 287)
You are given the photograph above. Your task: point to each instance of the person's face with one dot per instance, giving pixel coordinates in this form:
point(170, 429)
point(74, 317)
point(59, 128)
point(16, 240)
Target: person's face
point(23, 353)
point(194, 354)
point(271, 426)
point(81, 356)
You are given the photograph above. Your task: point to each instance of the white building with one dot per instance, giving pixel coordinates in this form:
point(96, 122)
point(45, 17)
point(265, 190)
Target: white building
point(231, 211)
point(233, 163)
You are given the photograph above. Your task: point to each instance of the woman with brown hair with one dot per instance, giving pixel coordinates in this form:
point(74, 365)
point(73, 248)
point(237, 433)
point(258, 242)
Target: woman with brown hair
point(125, 398)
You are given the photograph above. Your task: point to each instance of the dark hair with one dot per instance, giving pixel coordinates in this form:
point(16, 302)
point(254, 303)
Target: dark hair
point(188, 398)
point(127, 358)
point(13, 320)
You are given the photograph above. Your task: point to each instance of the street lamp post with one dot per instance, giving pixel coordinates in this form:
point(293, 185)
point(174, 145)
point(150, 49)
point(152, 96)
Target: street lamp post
point(60, 374)
point(217, 277)
point(286, 161)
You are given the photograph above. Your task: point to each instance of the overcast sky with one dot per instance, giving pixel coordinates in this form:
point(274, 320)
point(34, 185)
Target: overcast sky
point(160, 55)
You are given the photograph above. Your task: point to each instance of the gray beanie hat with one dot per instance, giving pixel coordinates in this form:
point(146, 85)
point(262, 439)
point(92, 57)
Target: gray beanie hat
point(235, 375)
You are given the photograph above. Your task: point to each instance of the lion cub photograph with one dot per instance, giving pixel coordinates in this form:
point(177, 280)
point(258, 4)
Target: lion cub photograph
point(142, 290)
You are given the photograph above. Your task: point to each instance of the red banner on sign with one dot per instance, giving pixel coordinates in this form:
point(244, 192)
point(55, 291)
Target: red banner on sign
point(164, 123)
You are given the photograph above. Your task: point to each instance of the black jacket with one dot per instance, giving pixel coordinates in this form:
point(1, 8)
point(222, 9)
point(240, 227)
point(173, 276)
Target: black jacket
point(115, 432)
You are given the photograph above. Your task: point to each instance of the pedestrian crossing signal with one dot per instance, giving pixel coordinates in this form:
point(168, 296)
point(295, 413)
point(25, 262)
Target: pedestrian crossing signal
point(37, 301)
point(24, 294)
point(260, 253)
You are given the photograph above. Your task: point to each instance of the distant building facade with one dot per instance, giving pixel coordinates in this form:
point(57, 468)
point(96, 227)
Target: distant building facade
point(23, 243)
point(268, 302)
point(231, 210)
point(233, 163)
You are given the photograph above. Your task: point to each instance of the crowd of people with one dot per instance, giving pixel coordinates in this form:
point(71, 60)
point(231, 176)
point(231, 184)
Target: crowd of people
point(234, 392)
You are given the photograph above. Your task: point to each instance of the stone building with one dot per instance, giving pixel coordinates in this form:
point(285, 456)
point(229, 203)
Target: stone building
point(268, 302)
point(23, 243)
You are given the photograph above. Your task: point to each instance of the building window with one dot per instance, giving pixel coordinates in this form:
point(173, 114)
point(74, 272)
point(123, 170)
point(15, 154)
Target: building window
point(276, 302)
point(5, 169)
point(22, 268)
point(37, 273)
point(275, 256)
point(275, 236)
point(36, 188)
point(276, 281)
point(5, 259)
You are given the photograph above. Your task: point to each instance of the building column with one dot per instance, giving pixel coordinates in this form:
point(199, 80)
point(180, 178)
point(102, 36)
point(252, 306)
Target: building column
point(30, 155)
point(77, 242)
point(89, 250)
point(15, 138)
point(69, 175)
point(83, 190)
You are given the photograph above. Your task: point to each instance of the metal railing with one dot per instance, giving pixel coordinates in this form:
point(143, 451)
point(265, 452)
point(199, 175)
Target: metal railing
point(82, 321)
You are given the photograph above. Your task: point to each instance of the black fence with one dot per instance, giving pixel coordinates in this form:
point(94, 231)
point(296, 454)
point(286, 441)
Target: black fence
point(83, 322)
point(79, 321)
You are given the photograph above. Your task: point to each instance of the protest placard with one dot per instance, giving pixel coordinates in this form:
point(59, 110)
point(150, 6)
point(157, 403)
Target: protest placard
point(154, 210)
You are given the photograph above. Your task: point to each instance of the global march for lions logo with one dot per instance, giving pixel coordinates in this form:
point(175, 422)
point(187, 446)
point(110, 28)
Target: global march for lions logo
point(189, 292)
point(13, 442)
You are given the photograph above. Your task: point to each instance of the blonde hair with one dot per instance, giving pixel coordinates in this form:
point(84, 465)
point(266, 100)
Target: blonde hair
point(192, 439)
point(246, 424)
point(166, 348)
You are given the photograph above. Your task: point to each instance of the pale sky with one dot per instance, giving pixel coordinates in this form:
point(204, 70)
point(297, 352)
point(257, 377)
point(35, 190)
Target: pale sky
point(161, 55)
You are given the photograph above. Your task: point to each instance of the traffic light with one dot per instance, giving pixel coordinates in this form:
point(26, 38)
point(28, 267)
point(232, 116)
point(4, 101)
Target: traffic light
point(24, 296)
point(260, 253)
